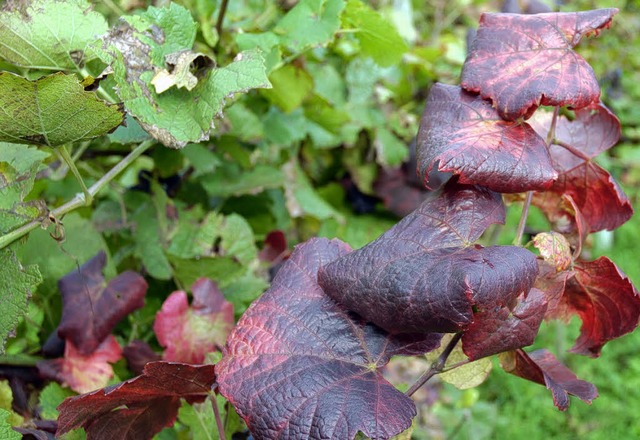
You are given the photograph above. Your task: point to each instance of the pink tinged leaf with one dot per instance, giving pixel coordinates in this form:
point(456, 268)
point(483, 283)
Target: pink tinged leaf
point(140, 407)
point(80, 372)
point(275, 247)
point(463, 134)
point(605, 300)
point(298, 365)
point(595, 193)
point(424, 275)
point(552, 283)
point(92, 307)
point(496, 331)
point(189, 333)
point(542, 367)
point(565, 217)
point(523, 61)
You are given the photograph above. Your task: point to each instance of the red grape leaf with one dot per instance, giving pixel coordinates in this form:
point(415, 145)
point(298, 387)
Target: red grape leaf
point(523, 61)
point(463, 134)
point(298, 365)
point(397, 192)
point(493, 332)
point(606, 301)
point(542, 367)
point(138, 354)
point(552, 283)
point(189, 333)
point(92, 307)
point(424, 274)
point(83, 373)
point(597, 195)
point(275, 247)
point(140, 407)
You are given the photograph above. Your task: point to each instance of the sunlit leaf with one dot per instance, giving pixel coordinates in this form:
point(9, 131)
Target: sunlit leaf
point(310, 23)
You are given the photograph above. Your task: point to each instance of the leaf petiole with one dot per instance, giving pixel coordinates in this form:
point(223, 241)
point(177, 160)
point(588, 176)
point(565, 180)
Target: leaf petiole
point(216, 413)
point(64, 155)
point(436, 367)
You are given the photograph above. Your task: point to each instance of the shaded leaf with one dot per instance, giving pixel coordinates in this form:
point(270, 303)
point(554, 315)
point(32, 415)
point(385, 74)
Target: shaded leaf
point(565, 217)
point(189, 333)
point(228, 181)
point(554, 249)
point(463, 134)
point(275, 247)
point(92, 307)
point(463, 377)
point(83, 373)
point(310, 23)
point(6, 432)
point(139, 407)
point(377, 36)
point(17, 282)
point(291, 85)
point(523, 61)
point(52, 111)
point(597, 195)
point(494, 332)
point(298, 365)
point(138, 354)
point(606, 301)
point(542, 367)
point(49, 34)
point(425, 275)
point(137, 47)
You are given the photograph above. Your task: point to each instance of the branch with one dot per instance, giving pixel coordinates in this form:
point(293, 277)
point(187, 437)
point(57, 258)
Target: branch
point(79, 200)
point(437, 366)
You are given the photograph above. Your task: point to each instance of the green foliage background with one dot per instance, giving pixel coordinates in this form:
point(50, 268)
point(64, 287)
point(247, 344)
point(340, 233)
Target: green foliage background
point(348, 82)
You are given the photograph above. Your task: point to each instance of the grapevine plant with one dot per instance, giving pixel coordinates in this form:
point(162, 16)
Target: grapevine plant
point(306, 359)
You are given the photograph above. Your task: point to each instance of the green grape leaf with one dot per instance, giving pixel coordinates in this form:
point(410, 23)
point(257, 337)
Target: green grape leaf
point(465, 376)
point(141, 45)
point(18, 167)
point(310, 23)
point(6, 432)
point(49, 34)
point(378, 37)
point(291, 85)
point(6, 402)
point(51, 396)
point(52, 111)
point(16, 284)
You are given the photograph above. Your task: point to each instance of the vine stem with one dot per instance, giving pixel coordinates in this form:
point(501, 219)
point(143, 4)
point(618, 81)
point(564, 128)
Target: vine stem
point(216, 412)
point(436, 367)
point(79, 200)
point(63, 154)
point(223, 11)
point(527, 202)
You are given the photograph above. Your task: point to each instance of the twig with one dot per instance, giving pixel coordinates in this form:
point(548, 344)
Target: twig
point(79, 200)
point(223, 10)
point(523, 219)
point(436, 367)
point(63, 153)
point(216, 412)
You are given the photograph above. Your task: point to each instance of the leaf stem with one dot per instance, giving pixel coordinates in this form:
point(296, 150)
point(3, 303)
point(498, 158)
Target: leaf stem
point(79, 199)
point(436, 367)
point(223, 11)
point(523, 219)
point(216, 412)
point(63, 153)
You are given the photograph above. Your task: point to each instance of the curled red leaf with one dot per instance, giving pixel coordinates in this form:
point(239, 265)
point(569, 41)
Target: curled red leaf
point(298, 365)
point(523, 61)
point(542, 367)
point(463, 134)
point(140, 407)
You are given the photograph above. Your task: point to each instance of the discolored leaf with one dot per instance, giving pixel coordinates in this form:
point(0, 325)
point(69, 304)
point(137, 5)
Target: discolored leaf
point(554, 248)
point(83, 373)
point(425, 274)
point(523, 61)
point(298, 365)
point(140, 407)
point(181, 67)
point(565, 217)
point(17, 282)
point(596, 194)
point(92, 307)
point(494, 332)
point(463, 134)
point(142, 44)
point(542, 367)
point(605, 300)
point(52, 111)
point(189, 333)
point(49, 34)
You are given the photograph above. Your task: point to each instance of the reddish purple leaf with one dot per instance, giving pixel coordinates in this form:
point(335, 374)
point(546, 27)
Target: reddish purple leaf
point(397, 193)
point(542, 367)
point(523, 61)
point(138, 354)
point(606, 301)
point(140, 407)
point(424, 274)
point(275, 247)
point(597, 195)
point(552, 283)
point(83, 373)
point(461, 133)
point(189, 333)
point(92, 307)
point(298, 365)
point(494, 332)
